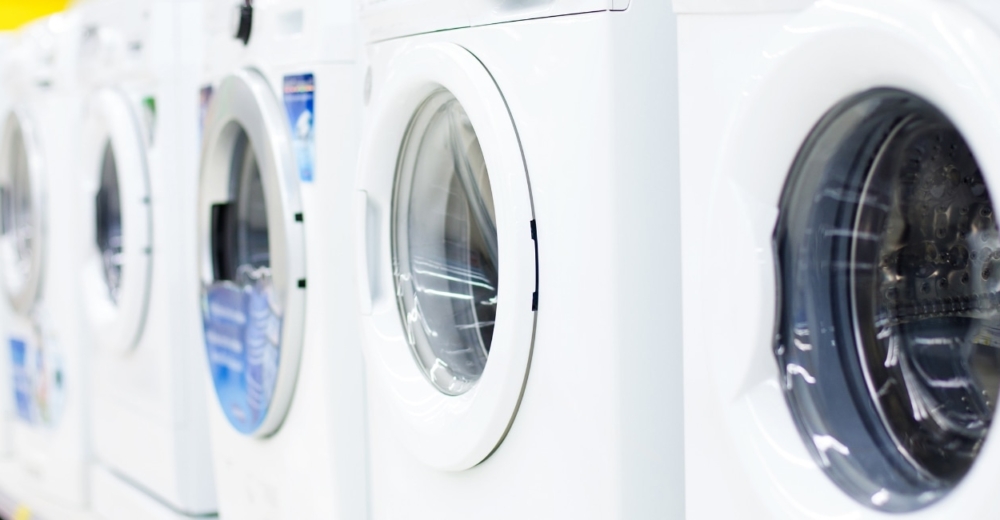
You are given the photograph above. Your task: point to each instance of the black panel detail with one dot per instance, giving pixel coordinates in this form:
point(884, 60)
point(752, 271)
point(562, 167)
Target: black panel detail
point(224, 241)
point(302, 283)
point(7, 209)
point(245, 22)
point(534, 237)
point(298, 217)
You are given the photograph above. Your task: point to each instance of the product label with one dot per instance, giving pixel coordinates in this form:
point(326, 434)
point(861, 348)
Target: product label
point(37, 379)
point(299, 92)
point(149, 117)
point(243, 340)
point(22, 379)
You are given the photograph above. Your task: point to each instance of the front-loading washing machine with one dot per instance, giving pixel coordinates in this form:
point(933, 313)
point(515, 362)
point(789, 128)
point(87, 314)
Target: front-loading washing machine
point(281, 96)
point(7, 49)
point(39, 253)
point(838, 173)
point(137, 178)
point(517, 260)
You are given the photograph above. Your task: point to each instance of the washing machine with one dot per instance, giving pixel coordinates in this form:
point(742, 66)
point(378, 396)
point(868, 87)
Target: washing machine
point(838, 175)
point(7, 49)
point(39, 252)
point(281, 97)
point(137, 178)
point(518, 269)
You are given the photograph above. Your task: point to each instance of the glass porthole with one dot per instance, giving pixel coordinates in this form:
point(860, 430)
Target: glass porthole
point(244, 315)
point(445, 254)
point(116, 269)
point(109, 223)
point(251, 254)
point(17, 221)
point(889, 264)
point(245, 253)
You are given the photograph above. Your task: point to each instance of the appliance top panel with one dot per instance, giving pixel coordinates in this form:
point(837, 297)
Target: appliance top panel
point(385, 19)
point(115, 34)
point(281, 32)
point(990, 8)
point(738, 6)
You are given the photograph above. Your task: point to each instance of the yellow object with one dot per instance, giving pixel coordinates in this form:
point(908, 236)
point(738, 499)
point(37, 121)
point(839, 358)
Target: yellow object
point(15, 13)
point(22, 513)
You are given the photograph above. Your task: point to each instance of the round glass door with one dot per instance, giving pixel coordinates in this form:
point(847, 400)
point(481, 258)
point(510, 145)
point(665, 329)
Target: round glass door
point(889, 341)
point(116, 268)
point(442, 208)
point(445, 253)
point(20, 226)
point(244, 318)
point(253, 272)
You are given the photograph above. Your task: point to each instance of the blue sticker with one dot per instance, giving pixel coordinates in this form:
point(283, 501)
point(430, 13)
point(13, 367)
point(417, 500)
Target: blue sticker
point(22, 379)
point(299, 91)
point(243, 340)
point(38, 382)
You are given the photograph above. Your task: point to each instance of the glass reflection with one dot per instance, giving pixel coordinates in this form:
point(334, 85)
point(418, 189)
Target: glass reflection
point(445, 246)
point(109, 223)
point(17, 218)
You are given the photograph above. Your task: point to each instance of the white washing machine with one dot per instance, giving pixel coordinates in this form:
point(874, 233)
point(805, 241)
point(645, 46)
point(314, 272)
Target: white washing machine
point(518, 270)
point(7, 412)
point(282, 95)
point(838, 173)
point(137, 180)
point(39, 251)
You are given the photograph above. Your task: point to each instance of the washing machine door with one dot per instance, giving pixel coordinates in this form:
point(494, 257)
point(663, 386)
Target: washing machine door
point(117, 266)
point(889, 269)
point(448, 257)
point(22, 227)
point(251, 254)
